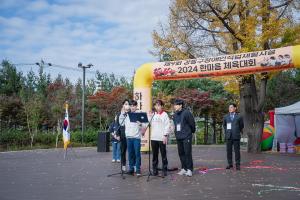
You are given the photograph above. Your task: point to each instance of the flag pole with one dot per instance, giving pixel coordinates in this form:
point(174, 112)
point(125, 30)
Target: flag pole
point(66, 132)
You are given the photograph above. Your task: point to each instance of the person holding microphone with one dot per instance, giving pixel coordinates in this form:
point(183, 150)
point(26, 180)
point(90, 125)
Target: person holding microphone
point(120, 131)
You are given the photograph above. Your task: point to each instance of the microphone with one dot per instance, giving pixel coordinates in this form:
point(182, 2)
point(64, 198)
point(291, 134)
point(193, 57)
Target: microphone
point(152, 111)
point(125, 114)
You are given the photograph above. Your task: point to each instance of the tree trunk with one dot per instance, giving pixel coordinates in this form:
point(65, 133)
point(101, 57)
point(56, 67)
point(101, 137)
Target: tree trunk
point(100, 120)
point(31, 141)
point(58, 132)
point(214, 130)
point(56, 142)
point(221, 133)
point(29, 129)
point(251, 109)
point(32, 136)
point(206, 129)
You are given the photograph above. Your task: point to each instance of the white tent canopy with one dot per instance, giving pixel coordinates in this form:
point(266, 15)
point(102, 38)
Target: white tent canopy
point(287, 123)
point(287, 110)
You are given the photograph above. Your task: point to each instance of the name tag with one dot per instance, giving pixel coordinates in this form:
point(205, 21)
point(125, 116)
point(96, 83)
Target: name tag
point(228, 126)
point(178, 127)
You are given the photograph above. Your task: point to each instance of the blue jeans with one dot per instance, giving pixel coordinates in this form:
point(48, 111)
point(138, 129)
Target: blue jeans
point(116, 150)
point(134, 154)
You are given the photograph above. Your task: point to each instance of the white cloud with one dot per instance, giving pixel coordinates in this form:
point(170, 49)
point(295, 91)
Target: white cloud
point(114, 35)
point(37, 6)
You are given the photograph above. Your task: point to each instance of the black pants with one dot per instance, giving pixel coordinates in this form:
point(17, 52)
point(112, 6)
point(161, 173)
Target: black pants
point(123, 146)
point(185, 153)
point(236, 145)
point(156, 146)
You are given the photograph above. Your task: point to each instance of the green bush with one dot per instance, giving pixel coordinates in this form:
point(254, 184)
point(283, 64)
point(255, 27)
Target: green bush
point(45, 139)
point(89, 136)
point(12, 139)
point(76, 136)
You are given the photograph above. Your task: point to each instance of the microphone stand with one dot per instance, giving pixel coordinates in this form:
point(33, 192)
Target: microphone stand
point(149, 153)
point(122, 171)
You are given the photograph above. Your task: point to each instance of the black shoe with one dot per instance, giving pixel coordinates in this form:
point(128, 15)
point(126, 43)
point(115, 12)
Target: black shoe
point(131, 172)
point(154, 172)
point(229, 167)
point(164, 173)
point(238, 167)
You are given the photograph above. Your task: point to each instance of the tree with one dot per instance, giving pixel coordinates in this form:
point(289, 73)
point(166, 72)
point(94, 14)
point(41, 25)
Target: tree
point(217, 112)
point(32, 105)
point(91, 87)
point(10, 79)
point(107, 82)
point(199, 28)
point(11, 112)
point(109, 103)
point(215, 88)
point(58, 93)
point(75, 109)
point(279, 94)
point(198, 102)
point(42, 82)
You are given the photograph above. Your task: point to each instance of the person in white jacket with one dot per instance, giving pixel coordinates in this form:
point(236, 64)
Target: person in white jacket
point(160, 126)
point(134, 131)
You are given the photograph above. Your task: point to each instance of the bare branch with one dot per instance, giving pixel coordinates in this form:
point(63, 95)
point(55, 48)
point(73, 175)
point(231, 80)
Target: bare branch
point(200, 13)
point(217, 46)
point(281, 5)
point(225, 23)
point(231, 9)
point(282, 13)
point(202, 27)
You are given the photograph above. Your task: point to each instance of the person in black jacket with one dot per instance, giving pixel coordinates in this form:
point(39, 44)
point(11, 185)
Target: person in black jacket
point(233, 125)
point(114, 142)
point(184, 128)
point(120, 131)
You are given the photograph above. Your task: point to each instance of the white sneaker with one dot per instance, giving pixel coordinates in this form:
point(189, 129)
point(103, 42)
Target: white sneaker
point(123, 168)
point(138, 174)
point(113, 160)
point(189, 173)
point(118, 160)
point(182, 172)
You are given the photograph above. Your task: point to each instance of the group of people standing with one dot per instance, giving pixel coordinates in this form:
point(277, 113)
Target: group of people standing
point(127, 137)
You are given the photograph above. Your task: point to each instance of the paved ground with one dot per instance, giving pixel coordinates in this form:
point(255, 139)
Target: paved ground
point(43, 174)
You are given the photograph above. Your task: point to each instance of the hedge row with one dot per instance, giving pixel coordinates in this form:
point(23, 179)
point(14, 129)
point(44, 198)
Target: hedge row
point(18, 138)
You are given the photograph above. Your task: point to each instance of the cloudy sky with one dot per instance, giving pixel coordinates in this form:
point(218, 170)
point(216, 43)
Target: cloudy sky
point(113, 35)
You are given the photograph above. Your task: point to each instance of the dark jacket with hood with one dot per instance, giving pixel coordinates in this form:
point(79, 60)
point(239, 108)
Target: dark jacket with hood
point(111, 129)
point(186, 122)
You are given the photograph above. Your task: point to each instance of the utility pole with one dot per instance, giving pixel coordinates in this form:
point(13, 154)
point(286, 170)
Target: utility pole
point(42, 77)
point(83, 97)
point(41, 68)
